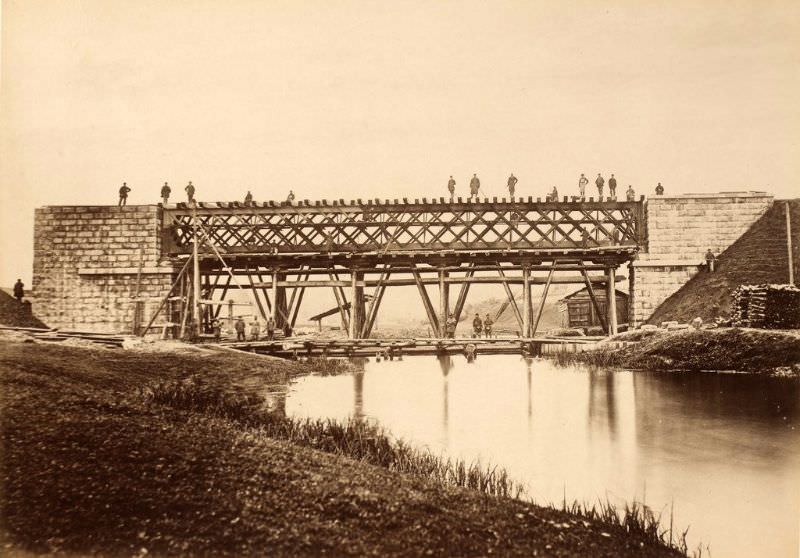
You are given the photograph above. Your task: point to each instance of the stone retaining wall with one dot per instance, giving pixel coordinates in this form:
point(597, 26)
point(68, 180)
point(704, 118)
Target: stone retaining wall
point(680, 229)
point(86, 264)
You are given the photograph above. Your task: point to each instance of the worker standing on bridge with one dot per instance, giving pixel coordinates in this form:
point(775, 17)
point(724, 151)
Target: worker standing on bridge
point(512, 182)
point(123, 194)
point(451, 187)
point(248, 198)
point(554, 194)
point(474, 187)
point(270, 328)
point(659, 190)
point(582, 182)
point(487, 326)
point(612, 187)
point(19, 290)
point(240, 326)
point(477, 326)
point(290, 197)
point(165, 192)
point(599, 182)
point(630, 195)
point(190, 192)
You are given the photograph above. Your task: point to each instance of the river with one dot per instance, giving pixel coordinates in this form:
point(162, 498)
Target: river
point(721, 450)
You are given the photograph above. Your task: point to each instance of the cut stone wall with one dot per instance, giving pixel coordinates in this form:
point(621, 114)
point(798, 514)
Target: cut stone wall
point(680, 229)
point(86, 264)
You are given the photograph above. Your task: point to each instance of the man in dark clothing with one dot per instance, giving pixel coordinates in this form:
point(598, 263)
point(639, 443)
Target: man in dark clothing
point(630, 194)
point(165, 192)
point(487, 326)
point(710, 260)
point(474, 186)
point(287, 330)
point(512, 182)
point(123, 194)
point(189, 192)
point(477, 326)
point(19, 290)
point(599, 182)
point(612, 187)
point(270, 328)
point(240, 326)
point(451, 187)
point(216, 329)
point(248, 199)
point(659, 190)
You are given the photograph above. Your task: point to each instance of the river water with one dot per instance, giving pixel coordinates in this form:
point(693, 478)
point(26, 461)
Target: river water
point(723, 450)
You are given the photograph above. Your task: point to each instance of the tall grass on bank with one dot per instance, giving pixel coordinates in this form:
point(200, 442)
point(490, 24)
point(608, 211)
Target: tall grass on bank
point(354, 438)
point(594, 357)
point(367, 442)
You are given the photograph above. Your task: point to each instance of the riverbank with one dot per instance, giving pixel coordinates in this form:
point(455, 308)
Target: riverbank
point(723, 349)
point(95, 462)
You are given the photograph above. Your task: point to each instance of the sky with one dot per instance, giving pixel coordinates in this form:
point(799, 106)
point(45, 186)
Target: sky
point(352, 99)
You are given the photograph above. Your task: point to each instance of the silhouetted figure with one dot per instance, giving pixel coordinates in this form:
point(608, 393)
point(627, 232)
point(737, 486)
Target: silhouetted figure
point(711, 260)
point(582, 182)
point(19, 290)
point(599, 182)
point(451, 187)
point(630, 195)
point(477, 326)
point(612, 187)
point(512, 182)
point(240, 326)
point(189, 192)
point(123, 194)
point(248, 199)
point(487, 326)
point(659, 190)
point(287, 329)
point(270, 328)
point(165, 192)
point(255, 330)
point(474, 186)
point(290, 197)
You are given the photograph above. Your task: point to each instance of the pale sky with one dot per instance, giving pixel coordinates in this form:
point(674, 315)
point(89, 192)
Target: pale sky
point(367, 99)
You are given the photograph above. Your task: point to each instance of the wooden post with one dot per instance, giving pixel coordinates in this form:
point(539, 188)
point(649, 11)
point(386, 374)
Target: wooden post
point(526, 301)
point(590, 290)
point(230, 315)
point(544, 299)
point(789, 243)
point(195, 273)
point(611, 300)
point(426, 302)
point(444, 303)
point(356, 305)
point(510, 302)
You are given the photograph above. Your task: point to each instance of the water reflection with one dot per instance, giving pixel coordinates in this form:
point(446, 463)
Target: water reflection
point(724, 448)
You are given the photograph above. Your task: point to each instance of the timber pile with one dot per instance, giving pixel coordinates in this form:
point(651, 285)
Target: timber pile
point(766, 306)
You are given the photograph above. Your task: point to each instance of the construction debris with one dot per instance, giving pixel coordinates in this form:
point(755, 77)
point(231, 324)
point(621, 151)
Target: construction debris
point(766, 306)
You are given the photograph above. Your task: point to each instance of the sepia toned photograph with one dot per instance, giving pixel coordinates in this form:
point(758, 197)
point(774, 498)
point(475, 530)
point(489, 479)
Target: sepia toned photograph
point(286, 278)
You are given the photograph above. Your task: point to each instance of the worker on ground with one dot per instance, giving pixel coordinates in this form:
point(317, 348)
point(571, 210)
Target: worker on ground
point(216, 329)
point(190, 192)
point(630, 195)
point(248, 199)
point(474, 187)
point(599, 182)
point(287, 330)
point(477, 326)
point(19, 290)
point(255, 330)
point(612, 187)
point(487, 326)
point(512, 182)
point(123, 194)
point(270, 328)
point(165, 192)
point(659, 190)
point(710, 260)
point(582, 182)
point(451, 187)
point(290, 197)
point(240, 326)
point(451, 326)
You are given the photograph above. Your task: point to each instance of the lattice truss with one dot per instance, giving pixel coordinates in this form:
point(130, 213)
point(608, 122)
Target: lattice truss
point(523, 226)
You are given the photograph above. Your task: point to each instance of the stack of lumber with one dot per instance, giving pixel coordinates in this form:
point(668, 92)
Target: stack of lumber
point(42, 334)
point(766, 306)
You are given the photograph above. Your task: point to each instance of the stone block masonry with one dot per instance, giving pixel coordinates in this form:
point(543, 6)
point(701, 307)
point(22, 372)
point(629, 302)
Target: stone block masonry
point(680, 229)
point(86, 263)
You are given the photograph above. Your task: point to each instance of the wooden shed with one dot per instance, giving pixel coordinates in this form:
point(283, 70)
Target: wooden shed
point(577, 310)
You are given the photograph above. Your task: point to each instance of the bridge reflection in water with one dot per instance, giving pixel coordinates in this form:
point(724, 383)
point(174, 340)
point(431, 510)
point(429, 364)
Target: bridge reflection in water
point(717, 446)
point(360, 248)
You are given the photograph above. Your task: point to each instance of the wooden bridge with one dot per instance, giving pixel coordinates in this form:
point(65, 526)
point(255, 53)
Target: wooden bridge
point(277, 250)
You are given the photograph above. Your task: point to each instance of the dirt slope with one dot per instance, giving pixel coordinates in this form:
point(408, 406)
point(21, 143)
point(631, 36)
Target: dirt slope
point(759, 256)
point(12, 313)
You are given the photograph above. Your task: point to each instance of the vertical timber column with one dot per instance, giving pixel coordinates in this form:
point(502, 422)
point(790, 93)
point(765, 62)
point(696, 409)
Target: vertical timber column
point(526, 301)
point(357, 304)
point(279, 309)
point(444, 302)
point(611, 300)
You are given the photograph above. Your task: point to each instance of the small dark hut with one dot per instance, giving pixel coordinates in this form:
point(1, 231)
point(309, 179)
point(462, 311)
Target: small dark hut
point(577, 310)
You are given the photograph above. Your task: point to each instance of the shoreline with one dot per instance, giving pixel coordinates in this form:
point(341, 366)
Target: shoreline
point(94, 466)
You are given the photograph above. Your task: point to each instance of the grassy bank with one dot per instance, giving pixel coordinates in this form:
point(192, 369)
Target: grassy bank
point(127, 453)
point(746, 350)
